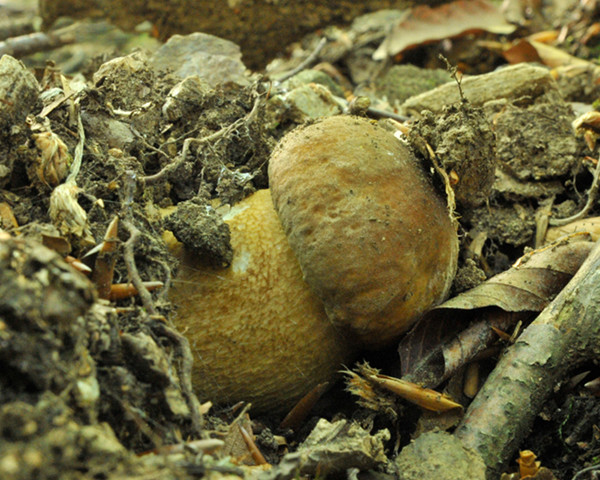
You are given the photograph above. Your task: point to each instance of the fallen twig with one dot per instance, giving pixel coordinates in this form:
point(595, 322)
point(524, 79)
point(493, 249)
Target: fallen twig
point(591, 201)
point(17, 27)
point(183, 352)
point(36, 42)
point(306, 62)
point(564, 334)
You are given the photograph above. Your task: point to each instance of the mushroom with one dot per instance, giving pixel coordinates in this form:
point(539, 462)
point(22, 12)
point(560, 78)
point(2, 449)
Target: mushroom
point(257, 331)
point(370, 246)
point(375, 240)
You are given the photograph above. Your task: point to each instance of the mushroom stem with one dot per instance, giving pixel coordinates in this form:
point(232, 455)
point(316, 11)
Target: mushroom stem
point(257, 331)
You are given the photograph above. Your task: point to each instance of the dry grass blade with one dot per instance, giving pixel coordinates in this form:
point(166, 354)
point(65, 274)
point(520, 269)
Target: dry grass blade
point(257, 456)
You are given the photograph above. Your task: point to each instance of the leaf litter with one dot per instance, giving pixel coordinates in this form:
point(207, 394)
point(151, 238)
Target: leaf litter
point(131, 366)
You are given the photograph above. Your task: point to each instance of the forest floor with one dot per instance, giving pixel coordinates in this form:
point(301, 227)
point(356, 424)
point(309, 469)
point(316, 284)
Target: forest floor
point(99, 138)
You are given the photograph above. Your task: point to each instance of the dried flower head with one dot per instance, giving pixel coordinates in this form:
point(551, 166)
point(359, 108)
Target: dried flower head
point(67, 215)
point(54, 160)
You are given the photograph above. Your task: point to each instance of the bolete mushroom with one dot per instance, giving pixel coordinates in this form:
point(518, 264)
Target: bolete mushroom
point(370, 247)
point(256, 330)
point(375, 241)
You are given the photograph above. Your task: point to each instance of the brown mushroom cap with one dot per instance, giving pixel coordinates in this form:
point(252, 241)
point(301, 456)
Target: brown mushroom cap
point(374, 238)
point(257, 332)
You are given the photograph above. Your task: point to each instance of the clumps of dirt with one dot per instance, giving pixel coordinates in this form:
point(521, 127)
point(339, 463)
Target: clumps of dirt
point(43, 439)
point(202, 230)
point(579, 85)
point(435, 451)
point(507, 224)
point(468, 276)
point(147, 146)
point(42, 334)
point(19, 92)
point(186, 97)
point(234, 164)
point(536, 142)
point(568, 424)
point(70, 362)
point(148, 115)
point(464, 144)
point(524, 159)
point(143, 382)
point(49, 391)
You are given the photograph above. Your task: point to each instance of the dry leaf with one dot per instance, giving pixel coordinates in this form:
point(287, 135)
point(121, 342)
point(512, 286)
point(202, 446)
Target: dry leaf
point(521, 52)
point(58, 243)
point(425, 25)
point(587, 225)
point(531, 284)
point(547, 54)
point(433, 351)
point(54, 160)
point(234, 444)
point(68, 216)
point(432, 363)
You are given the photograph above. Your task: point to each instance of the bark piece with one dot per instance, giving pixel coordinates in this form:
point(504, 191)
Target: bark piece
point(508, 83)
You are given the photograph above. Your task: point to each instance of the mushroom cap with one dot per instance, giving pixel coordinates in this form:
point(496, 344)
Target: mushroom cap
point(257, 332)
point(375, 240)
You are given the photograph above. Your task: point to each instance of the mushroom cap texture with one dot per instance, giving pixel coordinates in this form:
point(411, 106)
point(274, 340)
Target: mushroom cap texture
point(375, 240)
point(257, 332)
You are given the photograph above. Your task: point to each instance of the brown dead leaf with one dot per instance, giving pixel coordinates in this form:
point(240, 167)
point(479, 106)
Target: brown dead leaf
point(530, 285)
point(425, 25)
point(7, 217)
point(431, 363)
point(58, 243)
point(587, 225)
point(529, 50)
point(521, 51)
point(433, 350)
point(235, 445)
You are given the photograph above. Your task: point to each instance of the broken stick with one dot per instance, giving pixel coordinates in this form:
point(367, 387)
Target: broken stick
point(565, 334)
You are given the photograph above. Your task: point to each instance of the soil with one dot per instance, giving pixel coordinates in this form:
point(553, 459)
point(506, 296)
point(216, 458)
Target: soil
point(90, 385)
point(249, 23)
